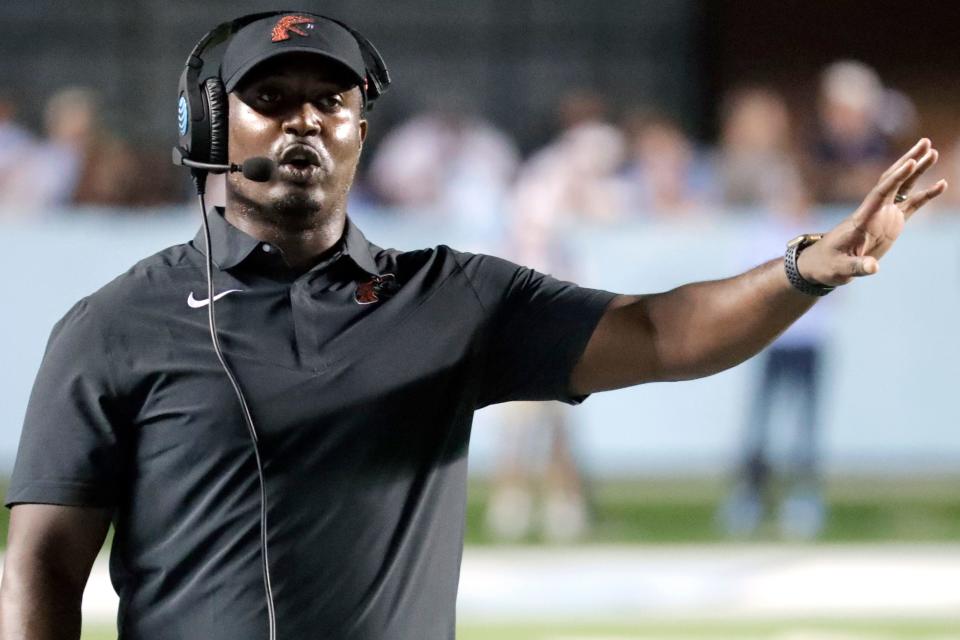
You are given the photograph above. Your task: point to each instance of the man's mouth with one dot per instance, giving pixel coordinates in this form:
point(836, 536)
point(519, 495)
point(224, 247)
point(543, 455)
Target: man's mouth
point(300, 163)
point(299, 173)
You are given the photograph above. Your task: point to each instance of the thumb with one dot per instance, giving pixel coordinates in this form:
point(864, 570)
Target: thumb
point(863, 266)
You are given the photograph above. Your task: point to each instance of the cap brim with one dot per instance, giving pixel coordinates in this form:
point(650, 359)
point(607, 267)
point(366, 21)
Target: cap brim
point(231, 82)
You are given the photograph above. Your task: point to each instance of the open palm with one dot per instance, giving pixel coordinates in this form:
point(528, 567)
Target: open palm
point(854, 246)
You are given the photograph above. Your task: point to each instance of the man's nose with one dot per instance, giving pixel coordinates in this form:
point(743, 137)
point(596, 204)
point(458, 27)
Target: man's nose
point(303, 121)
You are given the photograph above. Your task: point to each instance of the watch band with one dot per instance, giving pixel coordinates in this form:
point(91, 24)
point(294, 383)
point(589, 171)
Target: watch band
point(794, 247)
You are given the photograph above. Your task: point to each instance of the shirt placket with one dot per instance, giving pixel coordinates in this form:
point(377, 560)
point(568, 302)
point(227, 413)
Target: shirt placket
point(313, 300)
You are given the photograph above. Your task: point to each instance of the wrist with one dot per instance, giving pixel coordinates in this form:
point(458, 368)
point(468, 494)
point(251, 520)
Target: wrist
point(803, 267)
point(799, 276)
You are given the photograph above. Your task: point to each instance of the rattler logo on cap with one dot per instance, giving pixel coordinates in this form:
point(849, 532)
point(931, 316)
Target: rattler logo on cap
point(286, 24)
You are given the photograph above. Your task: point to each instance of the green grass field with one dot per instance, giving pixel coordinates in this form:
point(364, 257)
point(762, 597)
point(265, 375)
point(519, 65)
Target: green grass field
point(775, 630)
point(677, 511)
point(721, 631)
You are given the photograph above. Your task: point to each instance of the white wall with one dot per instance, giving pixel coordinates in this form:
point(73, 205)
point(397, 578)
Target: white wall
point(893, 363)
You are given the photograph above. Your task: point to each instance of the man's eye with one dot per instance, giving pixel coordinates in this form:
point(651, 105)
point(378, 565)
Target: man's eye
point(268, 96)
point(330, 102)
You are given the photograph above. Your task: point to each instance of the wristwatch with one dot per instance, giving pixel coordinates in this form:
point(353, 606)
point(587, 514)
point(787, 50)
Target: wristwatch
point(794, 247)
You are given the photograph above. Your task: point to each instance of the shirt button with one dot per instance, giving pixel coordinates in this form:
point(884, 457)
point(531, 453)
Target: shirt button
point(266, 247)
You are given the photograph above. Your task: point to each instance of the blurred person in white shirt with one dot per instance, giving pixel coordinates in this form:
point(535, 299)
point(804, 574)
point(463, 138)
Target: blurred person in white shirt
point(446, 163)
point(570, 181)
point(573, 178)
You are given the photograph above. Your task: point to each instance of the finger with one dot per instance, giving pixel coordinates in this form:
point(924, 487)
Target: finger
point(916, 151)
point(859, 266)
point(887, 187)
point(925, 163)
point(917, 200)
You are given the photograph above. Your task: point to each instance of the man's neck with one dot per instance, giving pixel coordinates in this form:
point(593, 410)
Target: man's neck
point(301, 244)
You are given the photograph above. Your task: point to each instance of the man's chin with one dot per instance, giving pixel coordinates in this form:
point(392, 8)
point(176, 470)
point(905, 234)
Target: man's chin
point(280, 199)
point(299, 175)
point(295, 201)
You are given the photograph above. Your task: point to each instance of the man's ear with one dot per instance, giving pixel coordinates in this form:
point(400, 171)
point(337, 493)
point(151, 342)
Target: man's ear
point(363, 131)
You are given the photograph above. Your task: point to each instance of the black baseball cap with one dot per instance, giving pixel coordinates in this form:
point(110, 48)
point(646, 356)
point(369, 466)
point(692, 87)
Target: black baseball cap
point(279, 34)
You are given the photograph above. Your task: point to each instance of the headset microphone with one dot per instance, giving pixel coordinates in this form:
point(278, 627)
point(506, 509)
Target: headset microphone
point(258, 169)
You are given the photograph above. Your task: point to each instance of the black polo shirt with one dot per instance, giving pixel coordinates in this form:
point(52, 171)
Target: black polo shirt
point(363, 410)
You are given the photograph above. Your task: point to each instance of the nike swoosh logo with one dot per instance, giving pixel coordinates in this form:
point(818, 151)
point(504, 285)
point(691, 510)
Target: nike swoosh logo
point(193, 303)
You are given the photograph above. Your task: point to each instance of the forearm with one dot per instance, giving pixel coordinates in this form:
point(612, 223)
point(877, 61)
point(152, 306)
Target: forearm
point(702, 328)
point(38, 607)
point(705, 327)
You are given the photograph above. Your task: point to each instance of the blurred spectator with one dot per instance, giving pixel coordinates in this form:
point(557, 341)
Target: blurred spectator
point(950, 164)
point(573, 177)
point(790, 370)
point(54, 169)
point(536, 465)
point(665, 173)
point(97, 168)
point(756, 162)
point(898, 118)
point(446, 162)
point(16, 144)
point(81, 163)
point(857, 120)
point(581, 106)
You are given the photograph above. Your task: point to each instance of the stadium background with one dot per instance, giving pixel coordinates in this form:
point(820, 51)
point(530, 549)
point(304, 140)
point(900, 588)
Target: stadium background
point(660, 457)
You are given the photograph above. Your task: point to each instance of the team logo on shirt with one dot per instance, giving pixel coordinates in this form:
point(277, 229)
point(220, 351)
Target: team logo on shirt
point(376, 288)
point(287, 24)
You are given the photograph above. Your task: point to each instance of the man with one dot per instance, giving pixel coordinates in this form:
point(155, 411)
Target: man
point(362, 368)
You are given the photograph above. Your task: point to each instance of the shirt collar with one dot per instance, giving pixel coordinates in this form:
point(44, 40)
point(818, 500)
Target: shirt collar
point(231, 246)
point(359, 249)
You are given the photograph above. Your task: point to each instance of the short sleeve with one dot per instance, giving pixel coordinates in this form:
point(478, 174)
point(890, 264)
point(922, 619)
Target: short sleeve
point(538, 327)
point(69, 450)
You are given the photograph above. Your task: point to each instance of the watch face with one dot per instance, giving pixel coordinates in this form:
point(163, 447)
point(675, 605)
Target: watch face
point(805, 239)
point(797, 240)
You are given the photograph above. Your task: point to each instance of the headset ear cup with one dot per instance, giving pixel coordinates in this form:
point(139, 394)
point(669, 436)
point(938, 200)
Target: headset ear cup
point(217, 108)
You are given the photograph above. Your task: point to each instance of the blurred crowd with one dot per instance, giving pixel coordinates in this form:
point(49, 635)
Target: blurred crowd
point(77, 161)
point(602, 165)
point(607, 167)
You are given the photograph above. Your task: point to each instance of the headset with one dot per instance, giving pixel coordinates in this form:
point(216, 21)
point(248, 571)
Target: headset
point(202, 111)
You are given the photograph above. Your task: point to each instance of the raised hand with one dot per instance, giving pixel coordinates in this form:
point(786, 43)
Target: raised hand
point(853, 247)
